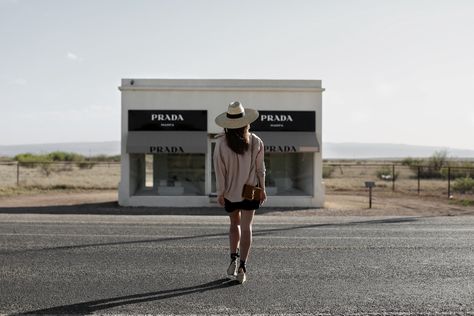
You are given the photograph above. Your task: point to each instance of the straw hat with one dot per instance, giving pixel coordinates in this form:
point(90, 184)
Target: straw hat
point(236, 116)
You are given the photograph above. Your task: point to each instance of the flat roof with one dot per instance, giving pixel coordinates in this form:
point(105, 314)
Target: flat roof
point(221, 84)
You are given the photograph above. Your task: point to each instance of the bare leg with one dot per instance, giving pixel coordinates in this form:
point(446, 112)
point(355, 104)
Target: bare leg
point(246, 238)
point(234, 231)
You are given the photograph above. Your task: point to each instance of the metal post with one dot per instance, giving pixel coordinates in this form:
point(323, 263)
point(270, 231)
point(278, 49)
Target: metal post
point(369, 185)
point(449, 182)
point(393, 177)
point(419, 175)
point(17, 173)
point(370, 197)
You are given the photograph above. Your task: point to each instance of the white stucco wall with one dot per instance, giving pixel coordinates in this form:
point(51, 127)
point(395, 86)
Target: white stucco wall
point(214, 96)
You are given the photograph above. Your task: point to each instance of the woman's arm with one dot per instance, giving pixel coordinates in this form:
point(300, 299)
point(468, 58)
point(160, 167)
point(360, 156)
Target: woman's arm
point(260, 166)
point(220, 170)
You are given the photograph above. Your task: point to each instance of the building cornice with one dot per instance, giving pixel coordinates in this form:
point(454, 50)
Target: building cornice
point(220, 85)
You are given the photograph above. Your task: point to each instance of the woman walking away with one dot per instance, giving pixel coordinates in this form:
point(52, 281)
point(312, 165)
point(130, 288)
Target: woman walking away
point(238, 161)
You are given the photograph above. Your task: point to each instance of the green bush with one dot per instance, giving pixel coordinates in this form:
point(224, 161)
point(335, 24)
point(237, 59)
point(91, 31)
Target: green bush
point(435, 165)
point(65, 156)
point(461, 170)
point(29, 160)
point(438, 160)
point(428, 169)
point(464, 185)
point(327, 171)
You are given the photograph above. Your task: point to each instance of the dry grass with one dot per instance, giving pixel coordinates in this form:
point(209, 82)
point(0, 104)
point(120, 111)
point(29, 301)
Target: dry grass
point(37, 190)
point(58, 177)
point(344, 180)
point(351, 179)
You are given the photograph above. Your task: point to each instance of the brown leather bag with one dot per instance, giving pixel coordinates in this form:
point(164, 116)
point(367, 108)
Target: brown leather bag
point(251, 192)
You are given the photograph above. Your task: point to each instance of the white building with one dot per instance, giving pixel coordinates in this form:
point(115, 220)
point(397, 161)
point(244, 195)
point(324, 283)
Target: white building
point(168, 136)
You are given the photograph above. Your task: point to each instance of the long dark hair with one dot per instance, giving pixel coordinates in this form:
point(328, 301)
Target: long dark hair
point(237, 139)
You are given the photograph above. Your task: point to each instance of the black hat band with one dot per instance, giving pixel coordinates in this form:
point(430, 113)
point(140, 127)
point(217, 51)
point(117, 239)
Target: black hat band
point(235, 116)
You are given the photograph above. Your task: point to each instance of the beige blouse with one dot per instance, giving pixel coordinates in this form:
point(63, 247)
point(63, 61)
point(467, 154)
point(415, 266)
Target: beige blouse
point(233, 170)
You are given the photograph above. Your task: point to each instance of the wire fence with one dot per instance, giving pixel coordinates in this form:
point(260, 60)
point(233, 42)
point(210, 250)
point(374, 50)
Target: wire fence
point(87, 175)
point(452, 182)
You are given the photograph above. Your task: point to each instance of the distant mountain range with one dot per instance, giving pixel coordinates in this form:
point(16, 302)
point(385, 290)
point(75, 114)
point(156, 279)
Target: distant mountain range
point(387, 151)
point(330, 150)
point(87, 149)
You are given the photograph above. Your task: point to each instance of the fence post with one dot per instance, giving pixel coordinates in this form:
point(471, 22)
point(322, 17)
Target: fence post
point(393, 177)
point(17, 173)
point(419, 175)
point(449, 182)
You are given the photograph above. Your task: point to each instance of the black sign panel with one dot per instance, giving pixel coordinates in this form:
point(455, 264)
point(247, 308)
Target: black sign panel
point(167, 120)
point(285, 121)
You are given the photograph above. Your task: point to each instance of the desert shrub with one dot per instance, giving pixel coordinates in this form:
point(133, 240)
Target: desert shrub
point(53, 156)
point(104, 158)
point(46, 162)
point(412, 162)
point(431, 168)
point(327, 171)
point(456, 173)
point(385, 173)
point(461, 170)
point(438, 160)
point(65, 156)
point(29, 160)
point(85, 165)
point(428, 172)
point(46, 169)
point(435, 165)
point(464, 185)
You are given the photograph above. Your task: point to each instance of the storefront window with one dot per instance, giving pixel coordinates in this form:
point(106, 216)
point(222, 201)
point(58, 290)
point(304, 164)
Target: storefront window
point(179, 174)
point(173, 175)
point(289, 174)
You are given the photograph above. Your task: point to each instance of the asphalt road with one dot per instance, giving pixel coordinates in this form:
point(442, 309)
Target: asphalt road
point(83, 264)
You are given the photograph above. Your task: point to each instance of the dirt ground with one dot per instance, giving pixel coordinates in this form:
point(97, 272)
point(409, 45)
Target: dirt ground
point(340, 204)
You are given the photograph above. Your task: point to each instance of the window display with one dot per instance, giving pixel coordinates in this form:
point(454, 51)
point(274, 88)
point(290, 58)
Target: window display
point(172, 175)
point(289, 174)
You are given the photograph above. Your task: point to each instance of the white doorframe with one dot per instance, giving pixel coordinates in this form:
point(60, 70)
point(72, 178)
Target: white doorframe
point(211, 141)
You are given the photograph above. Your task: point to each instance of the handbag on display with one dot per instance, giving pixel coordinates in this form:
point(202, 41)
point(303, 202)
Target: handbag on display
point(251, 192)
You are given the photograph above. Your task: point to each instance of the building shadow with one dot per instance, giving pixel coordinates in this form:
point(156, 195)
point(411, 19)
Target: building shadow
point(98, 305)
point(113, 208)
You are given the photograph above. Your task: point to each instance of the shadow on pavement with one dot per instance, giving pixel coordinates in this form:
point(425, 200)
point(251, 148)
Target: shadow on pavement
point(112, 208)
point(256, 233)
point(97, 305)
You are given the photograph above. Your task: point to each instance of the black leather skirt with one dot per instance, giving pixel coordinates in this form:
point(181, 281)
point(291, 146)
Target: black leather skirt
point(245, 205)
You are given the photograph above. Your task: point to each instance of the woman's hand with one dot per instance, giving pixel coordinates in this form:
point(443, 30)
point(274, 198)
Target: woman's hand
point(263, 197)
point(220, 200)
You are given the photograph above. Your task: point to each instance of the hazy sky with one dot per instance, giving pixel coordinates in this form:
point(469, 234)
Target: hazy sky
point(395, 71)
